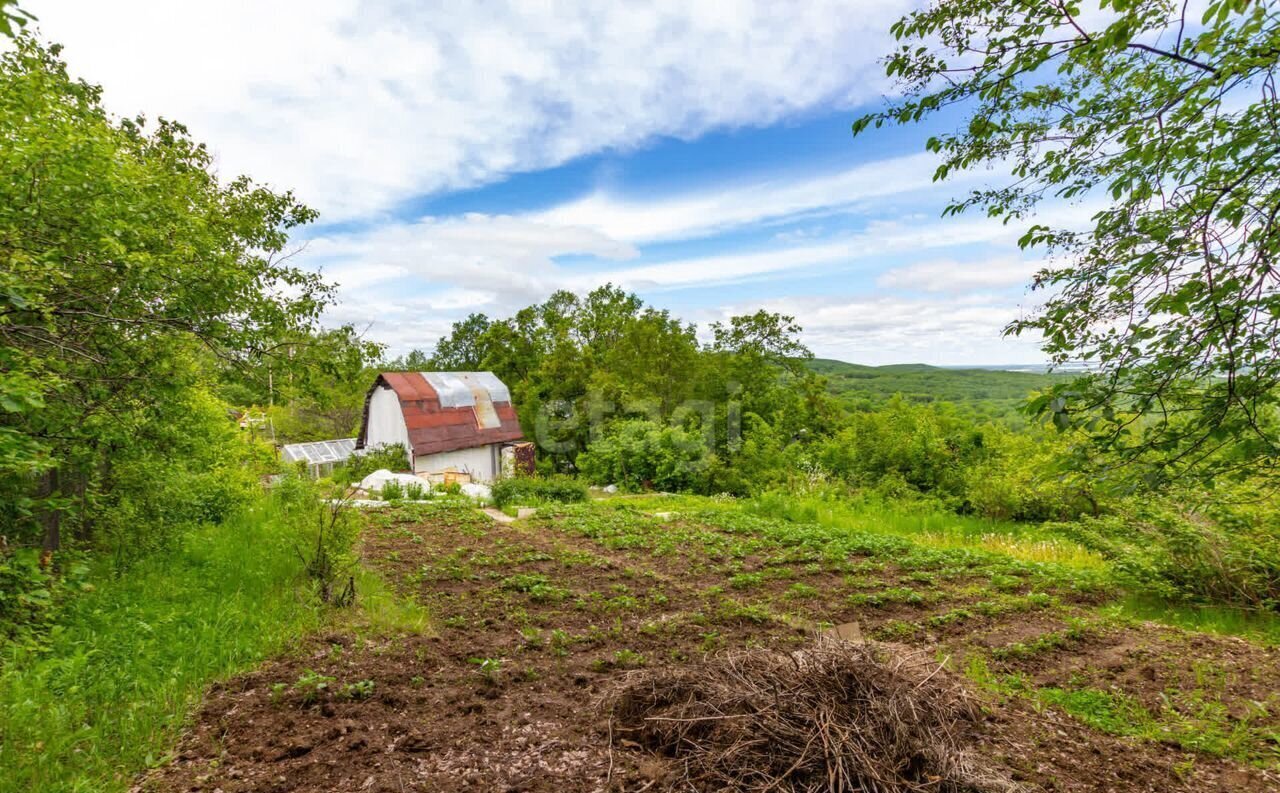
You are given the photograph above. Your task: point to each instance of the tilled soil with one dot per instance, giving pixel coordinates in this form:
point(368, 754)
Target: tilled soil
point(536, 621)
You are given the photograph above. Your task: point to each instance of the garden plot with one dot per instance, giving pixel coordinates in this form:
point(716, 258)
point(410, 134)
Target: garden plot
point(541, 625)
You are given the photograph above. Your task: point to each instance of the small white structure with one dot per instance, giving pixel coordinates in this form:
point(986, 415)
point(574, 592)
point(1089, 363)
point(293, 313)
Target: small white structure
point(373, 482)
point(451, 422)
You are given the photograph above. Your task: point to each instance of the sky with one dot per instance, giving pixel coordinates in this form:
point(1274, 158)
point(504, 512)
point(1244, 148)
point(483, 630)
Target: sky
point(475, 157)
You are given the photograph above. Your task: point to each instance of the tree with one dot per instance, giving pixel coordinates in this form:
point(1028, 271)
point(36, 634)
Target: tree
point(1172, 125)
point(128, 269)
point(12, 18)
point(463, 349)
point(414, 361)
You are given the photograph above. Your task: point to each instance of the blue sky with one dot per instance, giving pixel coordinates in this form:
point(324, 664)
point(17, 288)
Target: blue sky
point(477, 158)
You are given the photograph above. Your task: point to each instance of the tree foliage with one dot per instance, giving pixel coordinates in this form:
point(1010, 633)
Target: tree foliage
point(12, 18)
point(1168, 124)
point(577, 364)
point(132, 278)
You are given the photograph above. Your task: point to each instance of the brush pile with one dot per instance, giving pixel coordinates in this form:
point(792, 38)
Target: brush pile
point(837, 717)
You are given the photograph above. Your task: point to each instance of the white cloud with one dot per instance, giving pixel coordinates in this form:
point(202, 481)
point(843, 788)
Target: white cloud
point(411, 280)
point(876, 329)
point(949, 275)
point(359, 105)
point(496, 254)
point(732, 206)
point(721, 269)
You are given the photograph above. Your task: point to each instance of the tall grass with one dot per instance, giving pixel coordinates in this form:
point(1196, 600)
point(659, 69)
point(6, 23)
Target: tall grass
point(1259, 625)
point(130, 660)
point(930, 526)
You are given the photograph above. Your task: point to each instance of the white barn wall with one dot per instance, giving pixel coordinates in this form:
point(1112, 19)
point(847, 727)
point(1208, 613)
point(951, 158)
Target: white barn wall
point(479, 461)
point(386, 421)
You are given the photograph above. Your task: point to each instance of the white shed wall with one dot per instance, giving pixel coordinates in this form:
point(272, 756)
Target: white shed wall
point(386, 421)
point(478, 461)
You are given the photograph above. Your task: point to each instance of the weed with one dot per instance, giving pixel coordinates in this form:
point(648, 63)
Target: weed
point(746, 580)
point(801, 591)
point(1108, 711)
point(628, 659)
point(276, 692)
point(895, 630)
point(536, 586)
point(890, 595)
point(311, 686)
point(560, 642)
point(488, 668)
point(362, 689)
point(732, 611)
point(532, 638)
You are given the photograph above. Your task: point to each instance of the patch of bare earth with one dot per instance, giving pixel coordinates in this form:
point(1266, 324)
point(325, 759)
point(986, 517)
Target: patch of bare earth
point(540, 633)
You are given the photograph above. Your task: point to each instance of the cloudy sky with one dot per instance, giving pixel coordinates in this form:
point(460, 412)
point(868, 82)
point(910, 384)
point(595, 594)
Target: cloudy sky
point(476, 156)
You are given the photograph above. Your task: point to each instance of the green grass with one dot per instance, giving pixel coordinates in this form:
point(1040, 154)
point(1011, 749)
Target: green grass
point(1199, 724)
point(1108, 711)
point(130, 660)
point(937, 528)
point(1260, 626)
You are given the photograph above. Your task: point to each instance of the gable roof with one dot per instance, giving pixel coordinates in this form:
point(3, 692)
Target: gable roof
point(445, 411)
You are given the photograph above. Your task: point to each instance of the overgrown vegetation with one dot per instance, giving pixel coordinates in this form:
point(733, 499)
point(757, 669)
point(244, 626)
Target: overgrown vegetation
point(105, 695)
point(531, 491)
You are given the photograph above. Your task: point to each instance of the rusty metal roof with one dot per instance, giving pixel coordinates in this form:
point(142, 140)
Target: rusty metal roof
point(445, 411)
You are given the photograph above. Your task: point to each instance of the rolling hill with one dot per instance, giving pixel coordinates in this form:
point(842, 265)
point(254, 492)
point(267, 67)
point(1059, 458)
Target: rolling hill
point(995, 393)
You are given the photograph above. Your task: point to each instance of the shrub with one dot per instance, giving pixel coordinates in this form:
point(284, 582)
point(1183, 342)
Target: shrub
point(324, 535)
point(1023, 477)
point(27, 601)
point(393, 458)
point(1180, 548)
point(530, 490)
point(925, 447)
point(640, 454)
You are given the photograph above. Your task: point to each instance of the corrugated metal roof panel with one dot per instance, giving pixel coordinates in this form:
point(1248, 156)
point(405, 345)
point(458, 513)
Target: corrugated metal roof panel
point(451, 388)
point(445, 411)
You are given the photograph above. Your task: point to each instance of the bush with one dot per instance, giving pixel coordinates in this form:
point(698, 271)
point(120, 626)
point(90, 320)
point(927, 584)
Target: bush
point(924, 446)
point(323, 533)
point(529, 490)
point(1189, 547)
point(31, 594)
point(394, 458)
point(639, 455)
point(1023, 477)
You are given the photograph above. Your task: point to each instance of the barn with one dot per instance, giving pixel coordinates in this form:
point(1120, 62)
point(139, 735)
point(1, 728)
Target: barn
point(451, 422)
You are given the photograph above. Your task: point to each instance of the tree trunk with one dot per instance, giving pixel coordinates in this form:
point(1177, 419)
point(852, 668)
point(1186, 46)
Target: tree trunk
point(52, 518)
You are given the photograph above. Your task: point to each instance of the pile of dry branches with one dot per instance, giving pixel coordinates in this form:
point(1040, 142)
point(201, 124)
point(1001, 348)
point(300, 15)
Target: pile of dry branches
point(834, 717)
